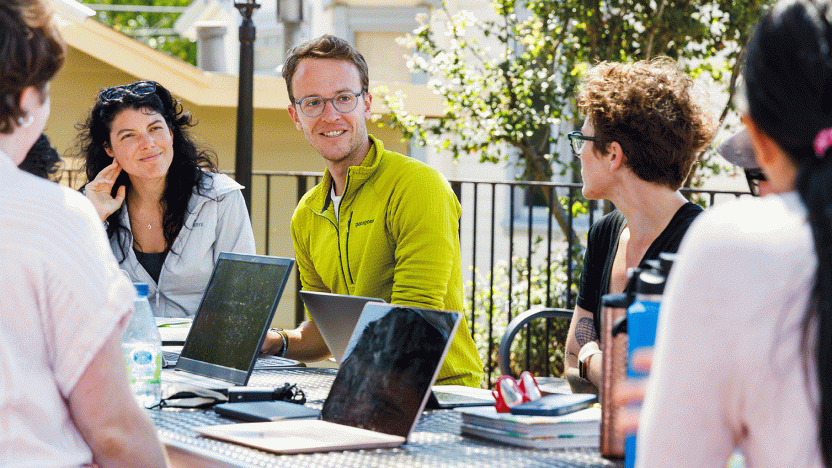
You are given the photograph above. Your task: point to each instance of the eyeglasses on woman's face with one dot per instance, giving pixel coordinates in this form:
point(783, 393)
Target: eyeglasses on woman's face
point(578, 140)
point(139, 88)
point(314, 106)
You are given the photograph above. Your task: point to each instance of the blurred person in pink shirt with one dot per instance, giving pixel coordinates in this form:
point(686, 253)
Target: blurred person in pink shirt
point(743, 355)
point(64, 395)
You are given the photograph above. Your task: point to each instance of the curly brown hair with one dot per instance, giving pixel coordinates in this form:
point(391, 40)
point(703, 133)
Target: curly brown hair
point(651, 110)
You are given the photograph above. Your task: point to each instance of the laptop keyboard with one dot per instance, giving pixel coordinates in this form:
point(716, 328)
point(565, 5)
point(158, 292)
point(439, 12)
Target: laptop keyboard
point(262, 363)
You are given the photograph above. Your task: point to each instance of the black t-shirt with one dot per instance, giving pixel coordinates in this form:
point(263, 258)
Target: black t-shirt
point(152, 262)
point(602, 244)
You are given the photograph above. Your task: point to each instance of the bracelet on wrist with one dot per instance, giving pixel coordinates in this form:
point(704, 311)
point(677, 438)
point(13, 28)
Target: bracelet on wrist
point(285, 337)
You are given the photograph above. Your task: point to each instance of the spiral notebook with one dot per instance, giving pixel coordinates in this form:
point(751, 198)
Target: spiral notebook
point(379, 392)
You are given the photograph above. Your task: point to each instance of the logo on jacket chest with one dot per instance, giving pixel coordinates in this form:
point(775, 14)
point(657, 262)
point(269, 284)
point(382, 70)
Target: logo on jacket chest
point(362, 223)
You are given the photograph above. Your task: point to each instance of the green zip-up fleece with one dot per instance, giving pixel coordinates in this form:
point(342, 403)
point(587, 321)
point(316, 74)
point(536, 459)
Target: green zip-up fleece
point(396, 238)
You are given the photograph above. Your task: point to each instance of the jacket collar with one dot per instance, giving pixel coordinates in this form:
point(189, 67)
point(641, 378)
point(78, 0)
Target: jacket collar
point(213, 186)
point(356, 176)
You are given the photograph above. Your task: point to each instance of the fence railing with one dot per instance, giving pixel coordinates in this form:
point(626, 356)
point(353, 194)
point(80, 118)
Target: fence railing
point(515, 257)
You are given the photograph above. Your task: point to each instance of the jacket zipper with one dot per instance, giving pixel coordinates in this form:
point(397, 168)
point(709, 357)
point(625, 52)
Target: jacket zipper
point(347, 247)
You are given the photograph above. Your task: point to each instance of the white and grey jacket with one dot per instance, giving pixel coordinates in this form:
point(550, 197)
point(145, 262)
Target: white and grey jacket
point(217, 221)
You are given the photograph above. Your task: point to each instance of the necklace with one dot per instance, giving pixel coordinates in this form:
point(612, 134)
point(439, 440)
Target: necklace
point(149, 226)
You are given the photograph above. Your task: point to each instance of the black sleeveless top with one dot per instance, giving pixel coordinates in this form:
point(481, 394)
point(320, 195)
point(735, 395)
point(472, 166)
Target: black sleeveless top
point(602, 244)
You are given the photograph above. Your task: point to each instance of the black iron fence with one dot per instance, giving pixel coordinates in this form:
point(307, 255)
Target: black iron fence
point(516, 255)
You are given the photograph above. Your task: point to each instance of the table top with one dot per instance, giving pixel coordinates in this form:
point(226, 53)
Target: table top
point(436, 440)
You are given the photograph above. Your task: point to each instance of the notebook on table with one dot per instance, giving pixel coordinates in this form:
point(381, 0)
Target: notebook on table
point(335, 315)
point(379, 392)
point(231, 323)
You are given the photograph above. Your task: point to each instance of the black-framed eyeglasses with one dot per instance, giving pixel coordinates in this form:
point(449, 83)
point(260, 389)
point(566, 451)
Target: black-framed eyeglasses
point(344, 103)
point(139, 88)
point(578, 140)
point(754, 177)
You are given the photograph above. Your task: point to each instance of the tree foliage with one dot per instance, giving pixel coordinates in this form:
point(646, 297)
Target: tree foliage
point(509, 80)
point(141, 26)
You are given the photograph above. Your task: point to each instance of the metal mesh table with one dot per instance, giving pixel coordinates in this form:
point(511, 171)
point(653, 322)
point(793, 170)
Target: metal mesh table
point(435, 442)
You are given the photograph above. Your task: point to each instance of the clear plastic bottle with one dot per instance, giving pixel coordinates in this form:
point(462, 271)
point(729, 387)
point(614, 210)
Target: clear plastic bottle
point(142, 347)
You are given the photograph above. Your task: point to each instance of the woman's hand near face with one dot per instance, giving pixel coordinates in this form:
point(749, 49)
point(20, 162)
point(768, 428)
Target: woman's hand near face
point(99, 191)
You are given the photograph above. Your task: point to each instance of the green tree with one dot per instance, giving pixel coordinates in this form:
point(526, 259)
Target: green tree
point(151, 28)
point(509, 81)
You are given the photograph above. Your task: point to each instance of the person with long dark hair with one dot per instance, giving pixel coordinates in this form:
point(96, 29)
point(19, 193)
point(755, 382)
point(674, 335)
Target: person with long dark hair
point(743, 355)
point(168, 213)
point(42, 159)
point(64, 393)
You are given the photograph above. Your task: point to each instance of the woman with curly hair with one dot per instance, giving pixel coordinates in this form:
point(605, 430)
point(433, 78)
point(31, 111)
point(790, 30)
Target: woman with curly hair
point(644, 127)
point(168, 213)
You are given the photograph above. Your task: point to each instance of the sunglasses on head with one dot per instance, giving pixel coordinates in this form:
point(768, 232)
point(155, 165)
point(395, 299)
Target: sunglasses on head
point(139, 88)
point(754, 177)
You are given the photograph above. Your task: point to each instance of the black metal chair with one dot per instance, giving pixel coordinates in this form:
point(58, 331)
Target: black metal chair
point(517, 324)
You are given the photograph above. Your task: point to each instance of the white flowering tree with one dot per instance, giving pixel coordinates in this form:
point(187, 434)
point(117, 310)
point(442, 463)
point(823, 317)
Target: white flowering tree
point(508, 81)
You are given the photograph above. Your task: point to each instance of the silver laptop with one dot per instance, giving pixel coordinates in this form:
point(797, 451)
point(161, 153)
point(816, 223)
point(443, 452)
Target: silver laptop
point(231, 322)
point(382, 385)
point(335, 315)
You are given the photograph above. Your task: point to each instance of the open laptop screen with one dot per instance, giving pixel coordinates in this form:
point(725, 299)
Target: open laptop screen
point(390, 363)
point(236, 310)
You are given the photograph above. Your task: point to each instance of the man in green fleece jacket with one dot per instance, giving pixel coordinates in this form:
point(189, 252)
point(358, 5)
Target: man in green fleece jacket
point(380, 224)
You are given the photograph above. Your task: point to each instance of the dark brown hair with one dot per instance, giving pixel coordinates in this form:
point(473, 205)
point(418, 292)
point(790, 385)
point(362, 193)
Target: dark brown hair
point(325, 47)
point(32, 52)
point(650, 109)
point(186, 172)
point(42, 159)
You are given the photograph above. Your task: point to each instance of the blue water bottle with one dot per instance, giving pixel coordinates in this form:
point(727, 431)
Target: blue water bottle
point(642, 317)
point(142, 347)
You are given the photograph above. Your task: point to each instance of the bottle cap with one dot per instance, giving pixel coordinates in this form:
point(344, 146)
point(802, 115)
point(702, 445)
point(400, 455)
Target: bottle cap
point(618, 301)
point(654, 264)
point(666, 259)
point(141, 289)
point(649, 283)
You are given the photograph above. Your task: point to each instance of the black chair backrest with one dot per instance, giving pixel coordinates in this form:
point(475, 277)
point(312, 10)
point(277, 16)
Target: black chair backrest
point(517, 324)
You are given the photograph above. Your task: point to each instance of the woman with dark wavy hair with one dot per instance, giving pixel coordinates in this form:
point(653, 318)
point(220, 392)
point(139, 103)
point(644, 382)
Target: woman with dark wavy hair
point(42, 159)
point(743, 356)
point(168, 213)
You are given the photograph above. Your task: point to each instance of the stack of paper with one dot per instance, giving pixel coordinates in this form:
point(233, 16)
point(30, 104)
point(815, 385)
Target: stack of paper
point(579, 429)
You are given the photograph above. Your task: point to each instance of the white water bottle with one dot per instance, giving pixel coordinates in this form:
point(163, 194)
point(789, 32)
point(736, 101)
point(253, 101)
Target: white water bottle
point(142, 347)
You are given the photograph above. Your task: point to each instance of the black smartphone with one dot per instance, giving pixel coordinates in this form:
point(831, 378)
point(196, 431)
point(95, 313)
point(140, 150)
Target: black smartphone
point(262, 411)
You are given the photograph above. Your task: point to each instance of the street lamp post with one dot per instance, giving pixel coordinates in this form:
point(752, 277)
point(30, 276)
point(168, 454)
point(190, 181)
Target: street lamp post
point(290, 14)
point(245, 110)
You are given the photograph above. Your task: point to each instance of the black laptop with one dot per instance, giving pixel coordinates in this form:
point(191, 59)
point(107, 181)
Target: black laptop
point(231, 323)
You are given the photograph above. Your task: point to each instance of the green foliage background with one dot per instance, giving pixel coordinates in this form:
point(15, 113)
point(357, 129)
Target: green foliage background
point(542, 341)
point(508, 80)
point(130, 22)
